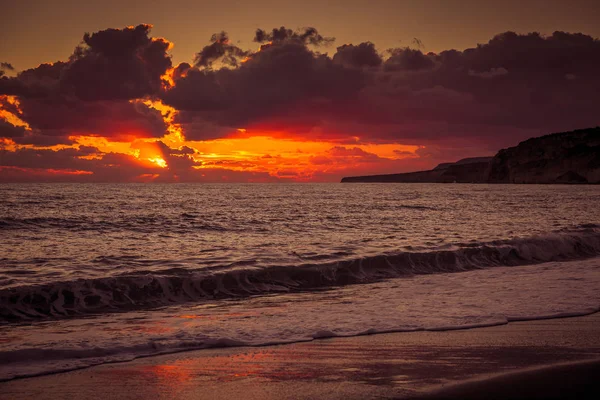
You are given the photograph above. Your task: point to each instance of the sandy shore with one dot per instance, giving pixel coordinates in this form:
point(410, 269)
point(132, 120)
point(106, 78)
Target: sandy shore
point(548, 358)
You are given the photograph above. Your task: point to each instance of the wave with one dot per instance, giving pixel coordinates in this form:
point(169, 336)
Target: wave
point(143, 223)
point(44, 361)
point(51, 361)
point(142, 290)
point(178, 222)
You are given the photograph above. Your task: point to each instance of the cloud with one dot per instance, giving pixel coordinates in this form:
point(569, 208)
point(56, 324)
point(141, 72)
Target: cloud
point(118, 120)
point(67, 165)
point(521, 83)
point(492, 73)
point(117, 64)
point(453, 103)
point(92, 92)
point(220, 49)
point(306, 36)
point(4, 66)
point(279, 78)
point(36, 139)
point(43, 158)
point(362, 55)
point(113, 64)
point(103, 167)
point(408, 59)
point(354, 152)
point(517, 83)
point(38, 82)
point(8, 130)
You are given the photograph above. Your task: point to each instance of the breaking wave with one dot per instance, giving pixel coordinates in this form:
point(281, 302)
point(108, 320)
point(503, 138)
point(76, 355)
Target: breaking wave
point(142, 290)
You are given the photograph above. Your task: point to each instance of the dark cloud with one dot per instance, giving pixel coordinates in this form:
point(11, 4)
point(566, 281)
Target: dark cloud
point(221, 50)
point(117, 64)
point(43, 158)
point(180, 160)
point(182, 151)
point(10, 86)
point(362, 55)
point(477, 100)
point(408, 59)
point(492, 73)
point(511, 88)
point(42, 81)
point(112, 119)
point(90, 93)
point(196, 126)
point(114, 64)
point(181, 70)
point(353, 152)
point(108, 167)
point(306, 36)
point(69, 165)
point(517, 84)
point(558, 54)
point(279, 78)
point(4, 66)
point(37, 139)
point(8, 130)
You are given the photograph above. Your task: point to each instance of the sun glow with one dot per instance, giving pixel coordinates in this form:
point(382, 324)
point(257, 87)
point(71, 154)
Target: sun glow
point(148, 152)
point(175, 134)
point(158, 161)
point(260, 48)
point(298, 160)
point(274, 155)
point(10, 116)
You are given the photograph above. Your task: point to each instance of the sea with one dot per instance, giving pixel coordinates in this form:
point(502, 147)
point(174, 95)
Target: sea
point(100, 273)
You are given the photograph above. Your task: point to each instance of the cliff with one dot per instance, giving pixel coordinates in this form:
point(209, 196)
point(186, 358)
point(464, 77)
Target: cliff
point(468, 170)
point(568, 157)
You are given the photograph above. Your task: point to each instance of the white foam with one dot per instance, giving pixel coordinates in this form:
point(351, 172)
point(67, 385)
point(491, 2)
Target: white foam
point(422, 302)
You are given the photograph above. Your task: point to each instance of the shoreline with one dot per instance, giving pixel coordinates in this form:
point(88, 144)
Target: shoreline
point(315, 338)
point(394, 365)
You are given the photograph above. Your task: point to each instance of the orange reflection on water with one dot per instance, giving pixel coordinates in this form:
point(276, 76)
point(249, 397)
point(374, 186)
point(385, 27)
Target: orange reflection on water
point(186, 375)
point(170, 373)
point(232, 364)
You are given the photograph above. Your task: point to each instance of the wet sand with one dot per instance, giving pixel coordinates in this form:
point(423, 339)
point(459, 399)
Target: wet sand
point(554, 358)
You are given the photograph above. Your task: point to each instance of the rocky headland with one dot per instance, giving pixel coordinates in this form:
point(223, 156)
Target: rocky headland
point(566, 157)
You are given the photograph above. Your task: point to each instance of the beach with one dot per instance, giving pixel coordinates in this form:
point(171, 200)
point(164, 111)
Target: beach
point(388, 200)
point(552, 358)
point(300, 292)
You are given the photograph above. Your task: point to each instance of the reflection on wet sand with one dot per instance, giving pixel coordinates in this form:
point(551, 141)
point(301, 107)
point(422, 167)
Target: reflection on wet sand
point(387, 365)
point(379, 362)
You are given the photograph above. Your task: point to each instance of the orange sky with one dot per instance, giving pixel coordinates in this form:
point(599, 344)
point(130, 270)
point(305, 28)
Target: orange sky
point(378, 89)
point(260, 152)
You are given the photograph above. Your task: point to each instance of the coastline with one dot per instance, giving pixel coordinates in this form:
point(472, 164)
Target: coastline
point(434, 364)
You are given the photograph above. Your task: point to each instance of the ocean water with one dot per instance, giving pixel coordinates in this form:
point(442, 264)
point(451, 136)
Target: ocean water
point(100, 273)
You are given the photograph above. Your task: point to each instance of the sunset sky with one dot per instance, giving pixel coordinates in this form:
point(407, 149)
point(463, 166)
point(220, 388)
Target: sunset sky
point(203, 91)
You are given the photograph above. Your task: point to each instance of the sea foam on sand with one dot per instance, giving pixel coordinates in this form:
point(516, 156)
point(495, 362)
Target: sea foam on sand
point(505, 361)
point(423, 302)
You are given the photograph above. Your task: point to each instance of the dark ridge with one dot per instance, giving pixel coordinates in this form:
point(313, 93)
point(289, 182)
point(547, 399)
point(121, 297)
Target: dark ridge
point(559, 158)
point(467, 170)
point(566, 157)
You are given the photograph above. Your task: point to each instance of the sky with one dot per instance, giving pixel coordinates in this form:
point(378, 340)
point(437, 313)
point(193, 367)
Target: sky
point(202, 91)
